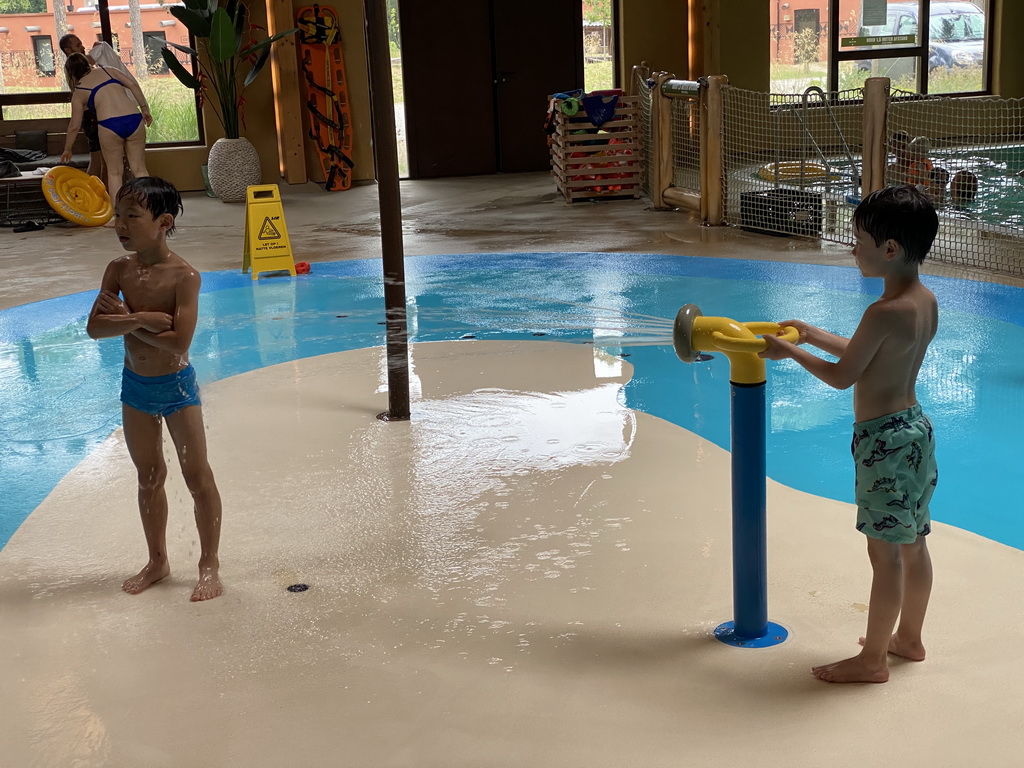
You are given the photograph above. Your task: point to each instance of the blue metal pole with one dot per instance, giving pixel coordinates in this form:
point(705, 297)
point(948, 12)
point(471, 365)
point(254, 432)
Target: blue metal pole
point(749, 523)
point(691, 333)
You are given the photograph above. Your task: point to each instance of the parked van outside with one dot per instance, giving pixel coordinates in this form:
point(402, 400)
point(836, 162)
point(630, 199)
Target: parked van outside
point(956, 34)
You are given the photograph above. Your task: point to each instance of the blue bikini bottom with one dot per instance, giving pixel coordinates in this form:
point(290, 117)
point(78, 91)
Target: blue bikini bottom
point(124, 126)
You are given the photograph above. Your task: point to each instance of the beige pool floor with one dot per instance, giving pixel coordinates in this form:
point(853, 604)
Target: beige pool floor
point(525, 574)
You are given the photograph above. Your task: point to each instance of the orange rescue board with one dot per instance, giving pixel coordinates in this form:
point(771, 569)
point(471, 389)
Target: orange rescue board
point(323, 74)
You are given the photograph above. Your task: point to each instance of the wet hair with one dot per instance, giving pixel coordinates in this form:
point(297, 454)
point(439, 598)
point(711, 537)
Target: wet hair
point(964, 187)
point(63, 42)
point(156, 195)
point(904, 214)
point(76, 67)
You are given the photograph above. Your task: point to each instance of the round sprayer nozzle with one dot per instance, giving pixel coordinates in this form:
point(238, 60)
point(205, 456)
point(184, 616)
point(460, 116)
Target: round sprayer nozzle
point(682, 333)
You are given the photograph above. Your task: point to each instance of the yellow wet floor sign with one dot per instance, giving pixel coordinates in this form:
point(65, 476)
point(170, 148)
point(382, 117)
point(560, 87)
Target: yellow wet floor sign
point(266, 237)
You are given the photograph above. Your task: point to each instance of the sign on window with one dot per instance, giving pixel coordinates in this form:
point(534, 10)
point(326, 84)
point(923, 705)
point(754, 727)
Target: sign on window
point(885, 41)
point(872, 13)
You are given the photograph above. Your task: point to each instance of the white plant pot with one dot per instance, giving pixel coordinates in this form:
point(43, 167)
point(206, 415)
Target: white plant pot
point(234, 165)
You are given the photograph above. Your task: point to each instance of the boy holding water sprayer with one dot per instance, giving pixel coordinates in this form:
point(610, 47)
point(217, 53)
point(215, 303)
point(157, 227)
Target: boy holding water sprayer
point(893, 443)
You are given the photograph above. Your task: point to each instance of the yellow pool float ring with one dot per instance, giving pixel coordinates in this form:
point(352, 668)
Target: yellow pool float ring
point(77, 196)
point(790, 170)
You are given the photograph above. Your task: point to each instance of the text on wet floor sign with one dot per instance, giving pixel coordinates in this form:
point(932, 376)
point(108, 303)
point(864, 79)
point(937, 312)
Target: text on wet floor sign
point(266, 236)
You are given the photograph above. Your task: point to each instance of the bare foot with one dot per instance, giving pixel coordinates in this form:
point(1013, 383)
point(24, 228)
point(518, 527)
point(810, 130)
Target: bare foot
point(911, 651)
point(147, 577)
point(209, 585)
point(852, 670)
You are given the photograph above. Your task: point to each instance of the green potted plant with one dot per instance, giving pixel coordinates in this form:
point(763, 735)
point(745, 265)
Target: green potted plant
point(225, 37)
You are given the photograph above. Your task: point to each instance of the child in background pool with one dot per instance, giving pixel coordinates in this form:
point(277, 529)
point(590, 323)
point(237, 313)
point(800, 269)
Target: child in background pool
point(917, 165)
point(963, 188)
point(157, 318)
point(893, 443)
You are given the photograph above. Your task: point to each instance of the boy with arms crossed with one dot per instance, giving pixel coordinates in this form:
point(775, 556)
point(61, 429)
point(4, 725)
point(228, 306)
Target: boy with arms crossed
point(157, 318)
point(893, 444)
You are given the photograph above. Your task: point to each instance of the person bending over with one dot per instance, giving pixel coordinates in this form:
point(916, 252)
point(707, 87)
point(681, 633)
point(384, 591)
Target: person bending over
point(104, 55)
point(122, 128)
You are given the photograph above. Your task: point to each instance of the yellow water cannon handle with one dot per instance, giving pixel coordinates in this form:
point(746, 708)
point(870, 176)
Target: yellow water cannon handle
point(755, 345)
point(693, 333)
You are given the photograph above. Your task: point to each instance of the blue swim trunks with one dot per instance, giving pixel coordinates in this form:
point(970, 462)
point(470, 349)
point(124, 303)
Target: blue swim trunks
point(896, 475)
point(160, 395)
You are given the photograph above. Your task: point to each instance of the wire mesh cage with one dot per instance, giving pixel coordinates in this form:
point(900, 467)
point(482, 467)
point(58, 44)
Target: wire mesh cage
point(968, 154)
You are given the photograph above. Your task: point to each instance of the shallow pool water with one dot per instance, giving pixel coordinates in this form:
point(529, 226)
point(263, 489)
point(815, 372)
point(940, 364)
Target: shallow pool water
point(60, 388)
point(1000, 197)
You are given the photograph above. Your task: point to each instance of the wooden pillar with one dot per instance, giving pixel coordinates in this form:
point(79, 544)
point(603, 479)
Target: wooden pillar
point(704, 38)
point(284, 69)
point(703, 154)
point(661, 138)
point(876, 107)
point(713, 183)
point(695, 11)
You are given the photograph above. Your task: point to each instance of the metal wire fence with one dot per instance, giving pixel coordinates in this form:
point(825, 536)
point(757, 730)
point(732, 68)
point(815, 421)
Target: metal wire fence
point(643, 87)
point(792, 162)
point(969, 155)
point(686, 127)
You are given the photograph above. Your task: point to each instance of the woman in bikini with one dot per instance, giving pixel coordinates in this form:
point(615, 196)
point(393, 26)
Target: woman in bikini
point(122, 128)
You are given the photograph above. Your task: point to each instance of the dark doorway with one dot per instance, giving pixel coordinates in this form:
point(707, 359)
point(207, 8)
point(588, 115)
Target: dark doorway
point(476, 79)
point(807, 19)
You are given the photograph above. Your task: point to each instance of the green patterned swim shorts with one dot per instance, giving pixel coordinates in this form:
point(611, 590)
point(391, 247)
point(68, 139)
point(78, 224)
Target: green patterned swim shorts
point(896, 475)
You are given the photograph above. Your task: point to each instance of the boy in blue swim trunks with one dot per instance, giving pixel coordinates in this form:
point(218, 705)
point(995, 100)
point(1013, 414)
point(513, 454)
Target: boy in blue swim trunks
point(893, 444)
point(157, 318)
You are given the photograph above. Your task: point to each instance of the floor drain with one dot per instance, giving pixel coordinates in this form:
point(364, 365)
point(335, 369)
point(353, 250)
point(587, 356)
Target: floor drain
point(298, 587)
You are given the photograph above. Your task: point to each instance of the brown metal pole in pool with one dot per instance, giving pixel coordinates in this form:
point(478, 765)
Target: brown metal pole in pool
point(385, 152)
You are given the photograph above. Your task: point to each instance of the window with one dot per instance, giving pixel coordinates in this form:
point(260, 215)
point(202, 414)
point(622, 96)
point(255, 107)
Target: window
point(154, 46)
point(864, 38)
point(42, 47)
point(598, 45)
point(907, 26)
point(32, 83)
point(799, 45)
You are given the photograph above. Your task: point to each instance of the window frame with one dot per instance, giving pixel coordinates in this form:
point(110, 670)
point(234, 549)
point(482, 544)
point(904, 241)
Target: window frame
point(920, 52)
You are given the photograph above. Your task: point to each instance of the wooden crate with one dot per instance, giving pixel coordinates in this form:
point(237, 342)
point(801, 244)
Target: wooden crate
point(590, 162)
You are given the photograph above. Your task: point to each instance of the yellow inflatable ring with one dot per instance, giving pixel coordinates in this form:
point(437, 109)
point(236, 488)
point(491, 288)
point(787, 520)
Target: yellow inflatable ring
point(77, 196)
point(790, 169)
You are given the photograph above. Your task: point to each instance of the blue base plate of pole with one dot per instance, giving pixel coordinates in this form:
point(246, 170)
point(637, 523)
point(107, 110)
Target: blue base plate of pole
point(774, 635)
